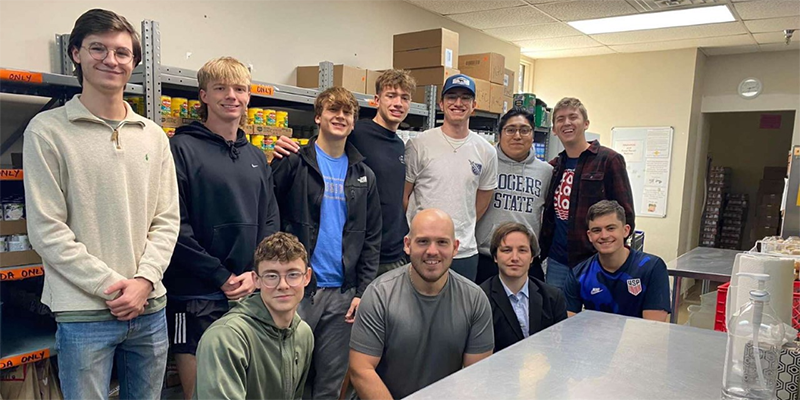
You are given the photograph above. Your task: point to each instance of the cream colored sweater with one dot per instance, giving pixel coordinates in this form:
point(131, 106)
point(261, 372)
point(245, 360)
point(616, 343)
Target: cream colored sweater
point(98, 210)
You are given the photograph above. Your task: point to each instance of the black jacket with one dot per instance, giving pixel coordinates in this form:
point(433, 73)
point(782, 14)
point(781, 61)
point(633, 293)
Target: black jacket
point(299, 188)
point(547, 306)
point(227, 207)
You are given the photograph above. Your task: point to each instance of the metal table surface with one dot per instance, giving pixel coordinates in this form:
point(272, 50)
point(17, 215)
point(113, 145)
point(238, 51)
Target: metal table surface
point(704, 263)
point(596, 355)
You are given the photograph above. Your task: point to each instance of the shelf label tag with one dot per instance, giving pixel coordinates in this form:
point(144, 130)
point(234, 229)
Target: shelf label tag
point(20, 76)
point(372, 103)
point(21, 273)
point(262, 90)
point(10, 174)
point(33, 356)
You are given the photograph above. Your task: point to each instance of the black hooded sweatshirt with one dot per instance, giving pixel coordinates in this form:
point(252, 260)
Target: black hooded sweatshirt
point(227, 206)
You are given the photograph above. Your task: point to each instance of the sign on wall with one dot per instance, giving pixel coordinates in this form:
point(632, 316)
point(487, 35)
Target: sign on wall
point(648, 154)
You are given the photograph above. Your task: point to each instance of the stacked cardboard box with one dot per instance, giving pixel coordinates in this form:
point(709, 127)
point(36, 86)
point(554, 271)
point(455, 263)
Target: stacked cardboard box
point(719, 182)
point(488, 70)
point(431, 56)
point(733, 221)
point(353, 79)
point(770, 196)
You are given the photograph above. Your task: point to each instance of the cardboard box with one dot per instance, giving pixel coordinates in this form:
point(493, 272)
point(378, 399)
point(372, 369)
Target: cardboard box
point(774, 173)
point(372, 76)
point(430, 76)
point(171, 122)
point(266, 130)
point(483, 95)
point(509, 83)
point(18, 258)
point(423, 49)
point(353, 79)
point(13, 227)
point(487, 66)
point(496, 101)
point(508, 103)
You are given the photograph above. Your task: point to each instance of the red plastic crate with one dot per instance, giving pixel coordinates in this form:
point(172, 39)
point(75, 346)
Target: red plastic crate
point(722, 298)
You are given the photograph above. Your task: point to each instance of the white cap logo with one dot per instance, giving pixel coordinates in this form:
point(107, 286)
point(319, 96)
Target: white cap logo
point(461, 81)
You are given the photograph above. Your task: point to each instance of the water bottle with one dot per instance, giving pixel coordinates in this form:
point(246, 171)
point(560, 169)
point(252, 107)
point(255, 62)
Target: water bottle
point(755, 337)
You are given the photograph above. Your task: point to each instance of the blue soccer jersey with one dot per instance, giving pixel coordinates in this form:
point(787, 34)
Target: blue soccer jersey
point(640, 284)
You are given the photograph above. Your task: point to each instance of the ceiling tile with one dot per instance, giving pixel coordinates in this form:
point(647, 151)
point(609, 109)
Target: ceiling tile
point(529, 32)
point(773, 24)
point(524, 15)
point(794, 45)
point(459, 6)
point(571, 42)
point(721, 51)
point(541, 1)
point(683, 32)
point(767, 9)
point(772, 37)
point(591, 51)
point(586, 9)
point(725, 41)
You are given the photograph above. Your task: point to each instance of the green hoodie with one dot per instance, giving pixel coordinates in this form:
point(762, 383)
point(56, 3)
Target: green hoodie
point(243, 355)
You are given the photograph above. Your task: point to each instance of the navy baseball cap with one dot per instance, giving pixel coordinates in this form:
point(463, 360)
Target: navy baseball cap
point(459, 81)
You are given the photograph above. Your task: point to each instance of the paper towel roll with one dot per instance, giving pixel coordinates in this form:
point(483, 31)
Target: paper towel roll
point(779, 286)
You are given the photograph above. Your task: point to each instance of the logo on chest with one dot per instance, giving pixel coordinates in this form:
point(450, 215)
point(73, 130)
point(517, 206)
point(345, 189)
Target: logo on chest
point(476, 168)
point(634, 286)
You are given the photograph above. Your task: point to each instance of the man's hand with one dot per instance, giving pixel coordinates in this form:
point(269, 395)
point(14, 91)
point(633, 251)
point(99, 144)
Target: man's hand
point(350, 317)
point(285, 146)
point(132, 298)
point(239, 286)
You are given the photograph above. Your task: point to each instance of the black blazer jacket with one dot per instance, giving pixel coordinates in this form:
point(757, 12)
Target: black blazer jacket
point(547, 307)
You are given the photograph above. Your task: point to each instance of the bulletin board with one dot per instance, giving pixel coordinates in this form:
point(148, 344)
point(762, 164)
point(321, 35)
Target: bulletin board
point(648, 156)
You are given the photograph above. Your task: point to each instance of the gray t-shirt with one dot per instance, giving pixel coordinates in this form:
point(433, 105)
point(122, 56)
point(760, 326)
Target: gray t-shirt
point(420, 339)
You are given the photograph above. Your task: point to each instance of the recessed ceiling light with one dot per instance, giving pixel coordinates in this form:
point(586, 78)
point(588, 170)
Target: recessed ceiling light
point(663, 19)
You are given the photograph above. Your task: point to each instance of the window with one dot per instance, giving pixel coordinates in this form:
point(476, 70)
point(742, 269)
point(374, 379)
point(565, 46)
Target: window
point(525, 79)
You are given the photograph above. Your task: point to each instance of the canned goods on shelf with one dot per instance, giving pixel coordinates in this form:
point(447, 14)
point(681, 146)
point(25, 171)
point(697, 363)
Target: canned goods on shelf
point(270, 116)
point(282, 119)
point(166, 106)
point(169, 131)
point(194, 109)
point(180, 107)
point(255, 116)
point(13, 211)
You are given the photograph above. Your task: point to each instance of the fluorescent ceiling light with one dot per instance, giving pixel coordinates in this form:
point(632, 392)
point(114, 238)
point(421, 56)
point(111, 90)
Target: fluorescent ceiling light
point(664, 19)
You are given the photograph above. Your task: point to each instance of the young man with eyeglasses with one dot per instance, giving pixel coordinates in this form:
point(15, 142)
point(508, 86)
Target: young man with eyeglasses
point(227, 207)
point(261, 349)
point(453, 169)
point(522, 183)
point(102, 209)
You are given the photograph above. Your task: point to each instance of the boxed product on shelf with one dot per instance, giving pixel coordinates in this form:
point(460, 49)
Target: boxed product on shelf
point(525, 101)
point(372, 76)
point(423, 49)
point(430, 76)
point(483, 95)
point(169, 121)
point(496, 98)
point(487, 66)
point(266, 130)
point(508, 83)
point(351, 78)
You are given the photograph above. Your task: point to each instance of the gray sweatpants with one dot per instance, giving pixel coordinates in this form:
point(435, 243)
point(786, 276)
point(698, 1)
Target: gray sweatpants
point(331, 341)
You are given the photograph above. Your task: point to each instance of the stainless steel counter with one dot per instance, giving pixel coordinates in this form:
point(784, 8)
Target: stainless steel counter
point(596, 355)
point(704, 263)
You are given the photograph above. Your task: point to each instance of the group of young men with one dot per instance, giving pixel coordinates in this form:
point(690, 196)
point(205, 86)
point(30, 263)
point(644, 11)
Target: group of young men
point(147, 240)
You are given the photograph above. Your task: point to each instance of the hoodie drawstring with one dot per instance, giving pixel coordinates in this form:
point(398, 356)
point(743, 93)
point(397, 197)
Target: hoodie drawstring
point(233, 152)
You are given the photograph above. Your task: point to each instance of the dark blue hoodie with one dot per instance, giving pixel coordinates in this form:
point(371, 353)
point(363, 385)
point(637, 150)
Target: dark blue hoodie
point(227, 207)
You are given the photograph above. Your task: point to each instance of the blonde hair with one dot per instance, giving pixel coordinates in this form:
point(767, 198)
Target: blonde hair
point(224, 69)
point(393, 78)
point(336, 98)
point(570, 102)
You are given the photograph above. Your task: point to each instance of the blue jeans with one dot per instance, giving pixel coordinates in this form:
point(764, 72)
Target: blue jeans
point(556, 273)
point(87, 351)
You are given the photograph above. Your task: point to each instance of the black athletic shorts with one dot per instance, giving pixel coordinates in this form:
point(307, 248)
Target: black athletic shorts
point(188, 319)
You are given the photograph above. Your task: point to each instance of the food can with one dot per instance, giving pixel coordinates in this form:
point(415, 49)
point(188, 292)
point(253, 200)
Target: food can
point(166, 106)
point(137, 104)
point(282, 119)
point(169, 131)
point(194, 109)
point(257, 140)
point(255, 116)
point(180, 107)
point(13, 211)
point(18, 243)
point(270, 116)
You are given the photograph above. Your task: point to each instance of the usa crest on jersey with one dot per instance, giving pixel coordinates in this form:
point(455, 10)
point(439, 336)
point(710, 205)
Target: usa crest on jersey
point(634, 286)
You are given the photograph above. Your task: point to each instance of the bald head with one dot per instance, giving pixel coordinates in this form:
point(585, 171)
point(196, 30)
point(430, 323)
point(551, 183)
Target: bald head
point(432, 218)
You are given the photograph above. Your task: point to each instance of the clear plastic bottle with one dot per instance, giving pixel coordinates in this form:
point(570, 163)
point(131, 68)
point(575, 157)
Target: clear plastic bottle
point(755, 337)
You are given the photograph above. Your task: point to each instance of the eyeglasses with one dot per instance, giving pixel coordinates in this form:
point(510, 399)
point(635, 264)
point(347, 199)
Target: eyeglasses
point(522, 130)
point(99, 52)
point(272, 280)
point(452, 98)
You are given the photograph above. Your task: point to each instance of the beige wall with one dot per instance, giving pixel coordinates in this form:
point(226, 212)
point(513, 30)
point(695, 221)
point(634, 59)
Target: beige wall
point(736, 141)
point(273, 36)
point(641, 89)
